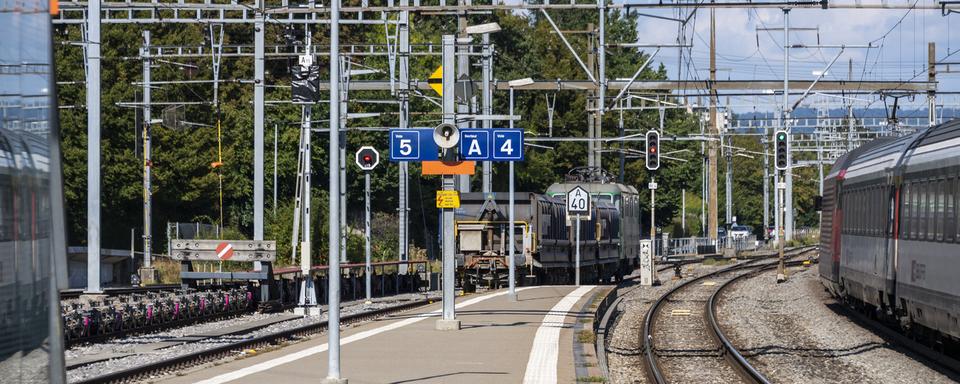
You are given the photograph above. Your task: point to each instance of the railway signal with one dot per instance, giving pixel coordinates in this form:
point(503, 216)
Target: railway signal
point(367, 158)
point(780, 149)
point(653, 150)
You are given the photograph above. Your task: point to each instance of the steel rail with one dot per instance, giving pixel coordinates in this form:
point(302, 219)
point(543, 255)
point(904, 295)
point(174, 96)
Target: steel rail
point(216, 353)
point(650, 357)
point(730, 352)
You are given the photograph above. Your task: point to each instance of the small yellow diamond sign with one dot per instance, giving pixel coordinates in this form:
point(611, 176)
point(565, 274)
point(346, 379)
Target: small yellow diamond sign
point(448, 199)
point(436, 80)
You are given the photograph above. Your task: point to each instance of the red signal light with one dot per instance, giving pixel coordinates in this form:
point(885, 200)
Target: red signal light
point(367, 158)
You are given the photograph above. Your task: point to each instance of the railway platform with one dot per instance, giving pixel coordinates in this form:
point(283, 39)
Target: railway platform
point(531, 340)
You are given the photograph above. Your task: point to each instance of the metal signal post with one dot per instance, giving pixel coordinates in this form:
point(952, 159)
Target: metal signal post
point(367, 159)
point(653, 163)
point(781, 149)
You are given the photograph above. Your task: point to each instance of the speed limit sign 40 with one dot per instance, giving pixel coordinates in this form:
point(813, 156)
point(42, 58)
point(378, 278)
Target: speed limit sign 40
point(578, 201)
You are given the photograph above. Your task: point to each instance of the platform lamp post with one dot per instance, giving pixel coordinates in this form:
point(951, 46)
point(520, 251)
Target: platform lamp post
point(487, 90)
point(512, 293)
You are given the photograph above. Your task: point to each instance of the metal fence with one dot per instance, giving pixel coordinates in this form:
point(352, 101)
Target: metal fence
point(697, 245)
point(192, 231)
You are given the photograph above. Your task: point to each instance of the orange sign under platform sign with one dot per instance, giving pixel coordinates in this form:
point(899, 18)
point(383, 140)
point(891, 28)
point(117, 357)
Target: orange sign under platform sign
point(443, 168)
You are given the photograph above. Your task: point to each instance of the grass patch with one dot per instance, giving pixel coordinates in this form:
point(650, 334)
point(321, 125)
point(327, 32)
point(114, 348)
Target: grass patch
point(717, 261)
point(591, 379)
point(168, 270)
point(586, 320)
point(586, 336)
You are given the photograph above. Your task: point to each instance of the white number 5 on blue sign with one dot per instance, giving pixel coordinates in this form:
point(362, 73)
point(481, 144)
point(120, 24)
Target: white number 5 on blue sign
point(508, 144)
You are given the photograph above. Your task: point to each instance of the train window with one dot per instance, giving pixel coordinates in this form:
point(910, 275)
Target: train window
point(923, 211)
point(911, 218)
point(941, 185)
point(956, 207)
point(948, 214)
point(905, 209)
point(876, 213)
point(864, 212)
point(930, 210)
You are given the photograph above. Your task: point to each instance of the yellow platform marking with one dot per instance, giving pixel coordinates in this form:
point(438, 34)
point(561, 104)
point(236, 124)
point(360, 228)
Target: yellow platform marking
point(680, 312)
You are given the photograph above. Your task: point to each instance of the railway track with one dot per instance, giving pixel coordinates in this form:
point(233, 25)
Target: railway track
point(681, 338)
point(196, 358)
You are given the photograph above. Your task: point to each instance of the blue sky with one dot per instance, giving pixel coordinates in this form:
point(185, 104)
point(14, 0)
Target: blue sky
point(745, 53)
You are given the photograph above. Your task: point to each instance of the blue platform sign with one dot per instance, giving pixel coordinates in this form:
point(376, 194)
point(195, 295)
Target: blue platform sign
point(475, 144)
point(412, 145)
point(507, 145)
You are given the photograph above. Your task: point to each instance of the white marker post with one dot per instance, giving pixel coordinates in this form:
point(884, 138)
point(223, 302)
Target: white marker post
point(577, 270)
point(578, 203)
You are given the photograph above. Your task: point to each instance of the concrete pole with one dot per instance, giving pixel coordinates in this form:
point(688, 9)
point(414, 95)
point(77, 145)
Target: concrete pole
point(729, 182)
point(602, 80)
point(766, 185)
point(449, 321)
point(307, 304)
point(819, 162)
point(147, 163)
point(487, 182)
point(602, 64)
point(932, 78)
point(653, 221)
point(623, 155)
point(342, 96)
point(777, 204)
point(511, 291)
point(591, 102)
point(712, 215)
point(788, 194)
point(333, 281)
point(781, 269)
point(683, 213)
point(258, 117)
point(93, 147)
point(404, 98)
point(850, 122)
point(463, 71)
point(366, 231)
point(276, 132)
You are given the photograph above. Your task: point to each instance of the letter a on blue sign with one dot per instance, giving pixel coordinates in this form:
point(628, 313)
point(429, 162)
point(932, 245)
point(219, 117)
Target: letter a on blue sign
point(507, 144)
point(475, 144)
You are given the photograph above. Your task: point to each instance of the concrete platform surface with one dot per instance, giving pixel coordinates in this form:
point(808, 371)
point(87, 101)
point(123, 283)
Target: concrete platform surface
point(527, 341)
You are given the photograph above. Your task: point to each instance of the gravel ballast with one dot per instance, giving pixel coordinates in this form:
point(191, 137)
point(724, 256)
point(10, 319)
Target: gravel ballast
point(624, 351)
point(790, 334)
point(125, 345)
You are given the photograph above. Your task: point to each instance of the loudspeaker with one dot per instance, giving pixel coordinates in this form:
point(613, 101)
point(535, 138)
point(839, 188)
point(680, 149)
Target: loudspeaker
point(446, 135)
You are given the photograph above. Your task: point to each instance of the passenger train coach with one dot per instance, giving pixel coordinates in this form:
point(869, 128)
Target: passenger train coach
point(889, 233)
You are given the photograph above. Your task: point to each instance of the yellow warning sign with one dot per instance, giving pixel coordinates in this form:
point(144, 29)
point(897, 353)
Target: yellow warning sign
point(436, 81)
point(448, 199)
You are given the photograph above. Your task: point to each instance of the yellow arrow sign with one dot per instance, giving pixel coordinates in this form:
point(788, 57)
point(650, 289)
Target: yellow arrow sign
point(436, 80)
